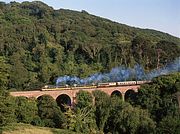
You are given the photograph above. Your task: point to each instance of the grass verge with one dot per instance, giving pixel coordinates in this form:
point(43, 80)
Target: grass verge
point(20, 128)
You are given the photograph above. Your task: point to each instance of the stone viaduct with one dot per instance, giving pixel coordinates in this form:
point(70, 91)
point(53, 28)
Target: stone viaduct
point(68, 96)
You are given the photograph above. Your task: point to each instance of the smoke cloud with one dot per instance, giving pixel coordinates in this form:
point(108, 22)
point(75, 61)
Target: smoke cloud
point(121, 74)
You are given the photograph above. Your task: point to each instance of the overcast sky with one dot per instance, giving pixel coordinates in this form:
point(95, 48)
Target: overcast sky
point(161, 15)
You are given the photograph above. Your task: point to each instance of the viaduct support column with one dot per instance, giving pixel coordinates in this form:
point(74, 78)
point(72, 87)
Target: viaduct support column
point(123, 96)
point(73, 101)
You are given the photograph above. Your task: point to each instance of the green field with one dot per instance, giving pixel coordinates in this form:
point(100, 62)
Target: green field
point(20, 128)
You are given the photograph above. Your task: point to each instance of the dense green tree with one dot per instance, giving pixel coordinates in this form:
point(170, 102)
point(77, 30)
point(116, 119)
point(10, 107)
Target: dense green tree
point(49, 112)
point(102, 109)
point(26, 109)
point(169, 125)
point(116, 106)
point(84, 99)
point(134, 120)
point(149, 98)
point(83, 116)
point(4, 72)
point(160, 96)
point(19, 75)
point(7, 109)
point(127, 119)
point(144, 52)
point(81, 120)
point(167, 54)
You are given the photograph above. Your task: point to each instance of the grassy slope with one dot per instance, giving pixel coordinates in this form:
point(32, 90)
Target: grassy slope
point(20, 128)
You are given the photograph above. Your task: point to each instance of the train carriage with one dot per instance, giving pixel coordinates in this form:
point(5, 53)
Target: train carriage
point(108, 84)
point(98, 85)
point(126, 83)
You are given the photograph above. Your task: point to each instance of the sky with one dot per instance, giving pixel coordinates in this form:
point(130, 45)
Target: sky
point(161, 15)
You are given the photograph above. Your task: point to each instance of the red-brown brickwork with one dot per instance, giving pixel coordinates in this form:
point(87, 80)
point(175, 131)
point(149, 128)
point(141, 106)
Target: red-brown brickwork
point(72, 93)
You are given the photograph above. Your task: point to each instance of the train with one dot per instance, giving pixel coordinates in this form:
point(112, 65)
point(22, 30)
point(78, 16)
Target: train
point(90, 86)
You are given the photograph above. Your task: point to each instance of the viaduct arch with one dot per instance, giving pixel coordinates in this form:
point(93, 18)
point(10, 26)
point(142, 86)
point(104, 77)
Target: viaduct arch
point(69, 96)
point(129, 95)
point(116, 93)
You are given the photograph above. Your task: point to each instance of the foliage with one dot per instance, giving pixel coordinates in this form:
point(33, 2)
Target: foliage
point(38, 44)
point(7, 109)
point(84, 99)
point(144, 52)
point(127, 119)
point(155, 110)
point(26, 110)
point(82, 117)
point(81, 120)
point(169, 125)
point(160, 97)
point(49, 112)
point(4, 72)
point(102, 109)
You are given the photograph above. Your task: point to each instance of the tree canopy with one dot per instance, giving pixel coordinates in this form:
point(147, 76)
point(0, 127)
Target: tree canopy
point(39, 43)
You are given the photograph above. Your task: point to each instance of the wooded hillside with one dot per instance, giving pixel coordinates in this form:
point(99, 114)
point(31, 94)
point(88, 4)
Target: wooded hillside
point(38, 44)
